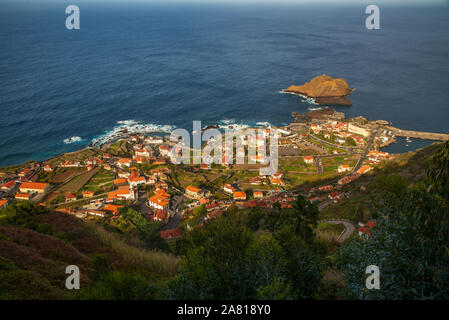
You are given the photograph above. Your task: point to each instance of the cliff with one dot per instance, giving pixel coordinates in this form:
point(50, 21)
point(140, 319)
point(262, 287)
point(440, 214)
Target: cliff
point(325, 90)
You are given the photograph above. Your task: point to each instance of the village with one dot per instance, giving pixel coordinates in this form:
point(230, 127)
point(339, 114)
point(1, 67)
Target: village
point(318, 158)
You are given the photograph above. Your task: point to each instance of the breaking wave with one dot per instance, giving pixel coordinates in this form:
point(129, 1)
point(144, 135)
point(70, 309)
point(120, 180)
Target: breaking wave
point(304, 98)
point(72, 140)
point(125, 128)
point(239, 125)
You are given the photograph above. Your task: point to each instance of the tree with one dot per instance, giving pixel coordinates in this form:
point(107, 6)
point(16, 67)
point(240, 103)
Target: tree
point(120, 286)
point(303, 216)
point(22, 214)
point(45, 228)
point(226, 260)
point(438, 173)
point(350, 141)
point(200, 211)
point(213, 264)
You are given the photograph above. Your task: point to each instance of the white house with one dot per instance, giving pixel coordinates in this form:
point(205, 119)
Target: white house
point(308, 159)
point(343, 168)
point(134, 182)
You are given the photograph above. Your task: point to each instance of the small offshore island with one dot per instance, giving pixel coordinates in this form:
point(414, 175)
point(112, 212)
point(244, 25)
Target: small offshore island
point(324, 90)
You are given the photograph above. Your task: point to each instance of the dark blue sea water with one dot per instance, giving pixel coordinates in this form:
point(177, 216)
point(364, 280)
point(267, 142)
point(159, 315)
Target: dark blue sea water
point(171, 64)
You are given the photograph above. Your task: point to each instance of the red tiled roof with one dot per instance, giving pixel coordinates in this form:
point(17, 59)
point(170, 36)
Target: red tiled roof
point(161, 215)
point(193, 189)
point(171, 234)
point(113, 208)
point(8, 185)
point(22, 196)
point(239, 194)
point(34, 185)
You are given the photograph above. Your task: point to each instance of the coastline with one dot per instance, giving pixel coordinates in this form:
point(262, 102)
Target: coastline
point(115, 135)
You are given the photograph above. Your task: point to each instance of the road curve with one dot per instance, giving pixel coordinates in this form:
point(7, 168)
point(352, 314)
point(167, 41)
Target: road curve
point(349, 228)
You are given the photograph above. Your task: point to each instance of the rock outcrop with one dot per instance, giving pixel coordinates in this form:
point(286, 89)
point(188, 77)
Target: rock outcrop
point(325, 90)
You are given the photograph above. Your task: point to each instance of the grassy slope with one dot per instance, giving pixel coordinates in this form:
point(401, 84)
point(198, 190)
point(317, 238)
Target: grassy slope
point(32, 264)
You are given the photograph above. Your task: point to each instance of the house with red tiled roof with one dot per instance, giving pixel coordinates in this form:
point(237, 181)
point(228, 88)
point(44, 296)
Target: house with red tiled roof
point(134, 182)
point(365, 229)
point(3, 203)
point(377, 156)
point(343, 168)
point(160, 200)
point(258, 194)
point(328, 187)
point(308, 159)
point(8, 185)
point(335, 196)
point(229, 188)
point(193, 191)
point(364, 169)
point(277, 174)
point(25, 172)
point(171, 234)
point(114, 209)
point(205, 166)
point(70, 196)
point(143, 153)
point(161, 215)
point(276, 181)
point(33, 187)
point(124, 162)
point(213, 206)
point(88, 194)
point(239, 195)
point(255, 180)
point(22, 196)
point(164, 150)
point(122, 193)
point(315, 128)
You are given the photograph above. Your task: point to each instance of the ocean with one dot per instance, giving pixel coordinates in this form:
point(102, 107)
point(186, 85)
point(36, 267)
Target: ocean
point(161, 66)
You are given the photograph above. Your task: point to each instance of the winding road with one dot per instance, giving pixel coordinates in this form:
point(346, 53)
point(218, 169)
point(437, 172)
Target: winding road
point(349, 228)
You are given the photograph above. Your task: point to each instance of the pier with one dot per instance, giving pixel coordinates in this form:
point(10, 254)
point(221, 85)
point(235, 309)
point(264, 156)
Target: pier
point(419, 134)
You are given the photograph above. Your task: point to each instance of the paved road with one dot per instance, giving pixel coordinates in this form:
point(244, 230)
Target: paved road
point(319, 165)
point(349, 228)
point(366, 150)
point(324, 204)
point(175, 212)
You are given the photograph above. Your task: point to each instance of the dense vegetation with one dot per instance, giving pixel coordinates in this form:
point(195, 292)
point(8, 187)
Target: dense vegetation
point(249, 255)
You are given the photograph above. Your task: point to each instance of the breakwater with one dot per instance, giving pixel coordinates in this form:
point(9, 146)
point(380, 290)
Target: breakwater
point(419, 134)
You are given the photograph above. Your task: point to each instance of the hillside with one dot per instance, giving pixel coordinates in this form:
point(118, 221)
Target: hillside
point(279, 253)
point(411, 166)
point(33, 262)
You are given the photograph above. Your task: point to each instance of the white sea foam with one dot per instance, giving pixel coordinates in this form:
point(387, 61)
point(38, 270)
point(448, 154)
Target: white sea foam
point(73, 140)
point(263, 124)
point(240, 125)
point(305, 98)
point(127, 127)
point(317, 108)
